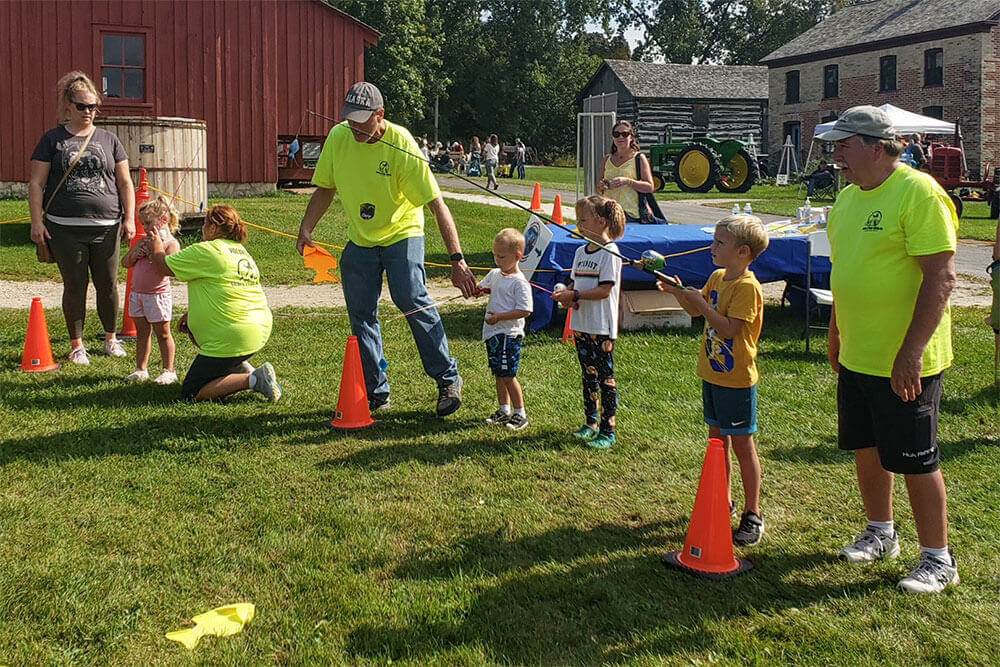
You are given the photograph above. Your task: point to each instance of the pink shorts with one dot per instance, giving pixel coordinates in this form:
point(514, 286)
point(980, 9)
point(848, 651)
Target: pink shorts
point(151, 307)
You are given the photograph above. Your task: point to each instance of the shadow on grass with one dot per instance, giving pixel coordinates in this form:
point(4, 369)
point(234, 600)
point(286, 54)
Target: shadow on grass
point(398, 436)
point(988, 396)
point(174, 432)
point(599, 594)
point(825, 452)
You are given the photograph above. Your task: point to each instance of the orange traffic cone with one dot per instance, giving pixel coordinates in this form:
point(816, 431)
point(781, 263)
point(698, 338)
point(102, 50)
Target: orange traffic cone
point(37, 346)
point(352, 404)
point(142, 195)
point(536, 199)
point(567, 336)
point(708, 548)
point(557, 211)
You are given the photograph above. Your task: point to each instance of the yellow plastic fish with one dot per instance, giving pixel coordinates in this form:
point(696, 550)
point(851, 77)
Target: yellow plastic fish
point(221, 622)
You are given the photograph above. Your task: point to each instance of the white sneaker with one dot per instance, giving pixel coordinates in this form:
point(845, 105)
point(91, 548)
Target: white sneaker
point(871, 545)
point(247, 367)
point(166, 377)
point(113, 348)
point(930, 576)
point(79, 356)
point(267, 383)
point(139, 375)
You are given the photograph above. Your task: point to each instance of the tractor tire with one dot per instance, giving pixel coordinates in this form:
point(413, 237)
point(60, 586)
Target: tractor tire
point(739, 175)
point(957, 201)
point(697, 168)
point(657, 182)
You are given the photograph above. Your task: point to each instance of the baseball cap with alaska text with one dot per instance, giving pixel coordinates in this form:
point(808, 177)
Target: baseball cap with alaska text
point(362, 100)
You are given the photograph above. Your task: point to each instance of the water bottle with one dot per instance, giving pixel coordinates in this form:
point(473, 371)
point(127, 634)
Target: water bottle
point(747, 210)
point(736, 208)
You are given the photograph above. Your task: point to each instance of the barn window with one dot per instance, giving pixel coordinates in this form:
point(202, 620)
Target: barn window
point(699, 115)
point(933, 67)
point(123, 66)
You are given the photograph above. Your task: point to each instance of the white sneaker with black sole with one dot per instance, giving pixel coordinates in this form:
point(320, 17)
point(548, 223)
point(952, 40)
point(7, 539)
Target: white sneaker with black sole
point(930, 576)
point(516, 422)
point(871, 545)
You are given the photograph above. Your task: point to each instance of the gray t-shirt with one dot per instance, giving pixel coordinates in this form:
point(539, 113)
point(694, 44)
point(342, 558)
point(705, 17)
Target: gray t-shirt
point(90, 191)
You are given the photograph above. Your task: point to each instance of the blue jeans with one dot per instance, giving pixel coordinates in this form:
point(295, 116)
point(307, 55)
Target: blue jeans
point(520, 170)
point(403, 263)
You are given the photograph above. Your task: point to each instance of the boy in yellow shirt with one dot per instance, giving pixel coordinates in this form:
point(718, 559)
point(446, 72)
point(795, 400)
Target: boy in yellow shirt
point(733, 307)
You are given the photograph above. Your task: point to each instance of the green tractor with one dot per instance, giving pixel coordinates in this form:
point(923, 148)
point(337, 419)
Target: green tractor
point(704, 162)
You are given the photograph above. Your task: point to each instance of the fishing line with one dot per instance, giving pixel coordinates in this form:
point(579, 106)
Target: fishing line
point(572, 232)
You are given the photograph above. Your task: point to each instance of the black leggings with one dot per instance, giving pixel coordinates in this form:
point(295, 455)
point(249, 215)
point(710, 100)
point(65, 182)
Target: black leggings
point(596, 355)
point(84, 254)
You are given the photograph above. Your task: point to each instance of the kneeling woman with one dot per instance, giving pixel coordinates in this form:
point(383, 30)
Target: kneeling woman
point(228, 317)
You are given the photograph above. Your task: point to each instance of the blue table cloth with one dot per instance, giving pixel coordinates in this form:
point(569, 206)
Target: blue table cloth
point(784, 258)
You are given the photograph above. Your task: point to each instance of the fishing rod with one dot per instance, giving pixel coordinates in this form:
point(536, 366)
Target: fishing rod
point(638, 264)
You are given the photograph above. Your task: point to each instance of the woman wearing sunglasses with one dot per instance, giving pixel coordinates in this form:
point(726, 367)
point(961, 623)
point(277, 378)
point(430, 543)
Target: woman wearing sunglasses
point(625, 173)
point(82, 204)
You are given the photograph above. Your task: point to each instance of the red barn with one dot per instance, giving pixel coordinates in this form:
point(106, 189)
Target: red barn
point(249, 69)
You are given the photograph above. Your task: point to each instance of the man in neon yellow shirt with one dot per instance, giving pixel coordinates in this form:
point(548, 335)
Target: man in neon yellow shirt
point(892, 236)
point(383, 182)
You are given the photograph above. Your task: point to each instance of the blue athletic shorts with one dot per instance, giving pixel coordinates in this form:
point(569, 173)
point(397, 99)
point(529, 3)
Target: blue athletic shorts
point(504, 354)
point(732, 411)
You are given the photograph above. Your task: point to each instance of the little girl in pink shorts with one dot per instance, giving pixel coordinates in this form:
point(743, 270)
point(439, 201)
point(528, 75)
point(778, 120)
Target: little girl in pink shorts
point(151, 302)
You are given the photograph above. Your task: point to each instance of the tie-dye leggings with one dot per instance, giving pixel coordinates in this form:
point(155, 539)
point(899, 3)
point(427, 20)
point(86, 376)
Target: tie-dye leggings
point(596, 355)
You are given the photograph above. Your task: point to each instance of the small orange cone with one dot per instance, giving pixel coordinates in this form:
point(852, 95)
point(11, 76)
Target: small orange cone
point(536, 199)
point(567, 336)
point(352, 404)
point(557, 211)
point(708, 548)
point(37, 346)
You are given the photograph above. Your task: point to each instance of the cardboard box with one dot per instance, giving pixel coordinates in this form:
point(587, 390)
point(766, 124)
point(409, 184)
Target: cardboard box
point(650, 309)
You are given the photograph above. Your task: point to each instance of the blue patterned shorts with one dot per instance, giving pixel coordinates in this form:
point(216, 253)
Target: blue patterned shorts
point(504, 354)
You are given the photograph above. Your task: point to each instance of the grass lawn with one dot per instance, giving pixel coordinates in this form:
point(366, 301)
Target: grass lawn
point(423, 541)
point(275, 255)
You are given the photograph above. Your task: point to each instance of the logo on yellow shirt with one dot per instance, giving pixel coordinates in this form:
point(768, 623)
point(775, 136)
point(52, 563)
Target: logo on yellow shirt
point(383, 169)
point(874, 223)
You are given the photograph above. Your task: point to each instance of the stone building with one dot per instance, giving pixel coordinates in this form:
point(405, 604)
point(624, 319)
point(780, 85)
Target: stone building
point(938, 58)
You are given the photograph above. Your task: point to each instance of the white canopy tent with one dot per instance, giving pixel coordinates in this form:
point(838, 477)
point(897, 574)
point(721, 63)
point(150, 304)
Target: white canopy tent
point(905, 122)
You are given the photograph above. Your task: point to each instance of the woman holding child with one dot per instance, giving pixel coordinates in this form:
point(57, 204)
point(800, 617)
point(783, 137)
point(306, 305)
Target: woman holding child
point(228, 317)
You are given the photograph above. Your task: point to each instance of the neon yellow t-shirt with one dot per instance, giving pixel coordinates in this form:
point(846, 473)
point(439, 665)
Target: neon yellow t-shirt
point(227, 309)
point(875, 237)
point(732, 362)
point(383, 189)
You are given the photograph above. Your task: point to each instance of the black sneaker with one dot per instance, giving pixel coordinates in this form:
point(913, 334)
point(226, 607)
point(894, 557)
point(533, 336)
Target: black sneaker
point(750, 530)
point(378, 404)
point(517, 422)
point(449, 398)
point(498, 418)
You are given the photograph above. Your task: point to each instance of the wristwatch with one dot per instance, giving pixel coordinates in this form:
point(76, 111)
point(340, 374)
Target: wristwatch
point(457, 257)
point(576, 295)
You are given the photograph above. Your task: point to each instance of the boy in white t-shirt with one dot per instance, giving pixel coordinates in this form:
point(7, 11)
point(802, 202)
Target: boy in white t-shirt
point(503, 328)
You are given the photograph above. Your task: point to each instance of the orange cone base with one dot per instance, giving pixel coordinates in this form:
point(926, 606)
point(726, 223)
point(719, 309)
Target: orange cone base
point(675, 560)
point(39, 369)
point(341, 424)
